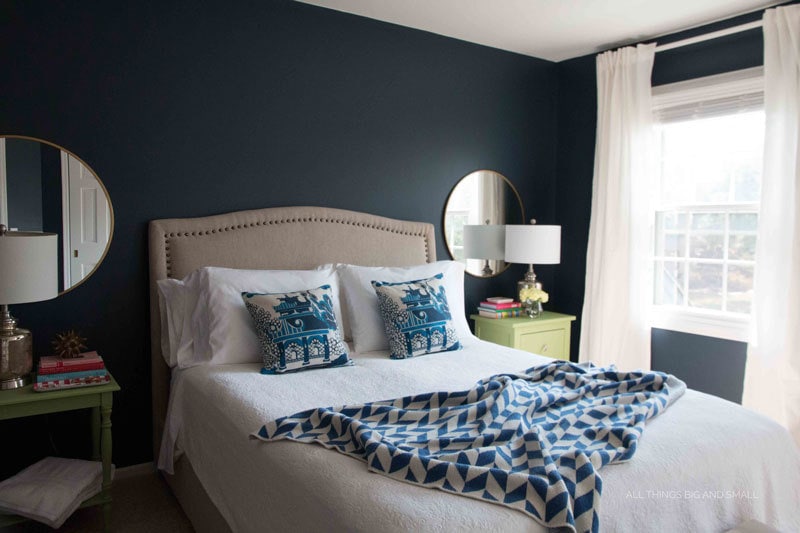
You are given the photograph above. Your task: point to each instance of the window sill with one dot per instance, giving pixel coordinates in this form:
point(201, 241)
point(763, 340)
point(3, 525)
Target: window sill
point(699, 322)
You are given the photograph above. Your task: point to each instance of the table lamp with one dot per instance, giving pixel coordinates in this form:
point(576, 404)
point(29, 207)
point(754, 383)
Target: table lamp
point(532, 244)
point(28, 273)
point(484, 242)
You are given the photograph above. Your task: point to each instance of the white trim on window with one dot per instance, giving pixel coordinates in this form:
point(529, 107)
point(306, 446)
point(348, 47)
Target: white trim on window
point(717, 324)
point(720, 86)
point(733, 92)
point(728, 93)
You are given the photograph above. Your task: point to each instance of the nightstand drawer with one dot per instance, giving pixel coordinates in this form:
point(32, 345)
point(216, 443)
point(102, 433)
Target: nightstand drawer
point(549, 343)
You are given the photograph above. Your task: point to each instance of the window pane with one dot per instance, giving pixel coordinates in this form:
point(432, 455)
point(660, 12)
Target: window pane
point(708, 221)
point(747, 181)
point(674, 245)
point(712, 160)
point(707, 246)
point(744, 221)
point(740, 288)
point(674, 220)
point(670, 241)
point(455, 221)
point(670, 276)
point(714, 187)
point(742, 247)
point(705, 286)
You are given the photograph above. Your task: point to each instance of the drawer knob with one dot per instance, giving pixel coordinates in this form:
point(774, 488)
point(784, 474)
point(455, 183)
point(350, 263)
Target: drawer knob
point(544, 348)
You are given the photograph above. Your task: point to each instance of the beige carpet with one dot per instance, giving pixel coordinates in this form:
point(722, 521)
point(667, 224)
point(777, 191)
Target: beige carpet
point(142, 503)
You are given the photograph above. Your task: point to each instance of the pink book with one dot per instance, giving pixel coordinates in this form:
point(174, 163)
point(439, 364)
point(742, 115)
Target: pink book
point(54, 361)
point(499, 300)
point(95, 365)
point(509, 305)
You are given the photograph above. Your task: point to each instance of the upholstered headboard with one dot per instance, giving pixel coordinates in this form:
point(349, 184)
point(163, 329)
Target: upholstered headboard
point(273, 238)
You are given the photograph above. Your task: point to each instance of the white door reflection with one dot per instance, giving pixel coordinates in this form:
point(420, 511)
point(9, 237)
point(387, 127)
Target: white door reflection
point(87, 221)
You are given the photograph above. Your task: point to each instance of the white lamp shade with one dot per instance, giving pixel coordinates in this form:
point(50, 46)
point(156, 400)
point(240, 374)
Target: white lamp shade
point(28, 267)
point(533, 244)
point(484, 242)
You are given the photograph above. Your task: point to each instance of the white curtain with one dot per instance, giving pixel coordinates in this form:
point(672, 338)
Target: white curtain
point(772, 381)
point(492, 207)
point(615, 325)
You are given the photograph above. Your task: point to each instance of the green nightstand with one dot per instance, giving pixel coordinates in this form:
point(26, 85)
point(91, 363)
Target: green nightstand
point(24, 402)
point(547, 335)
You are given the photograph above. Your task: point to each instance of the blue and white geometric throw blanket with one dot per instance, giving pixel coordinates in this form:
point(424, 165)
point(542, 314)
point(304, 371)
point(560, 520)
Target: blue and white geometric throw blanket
point(532, 441)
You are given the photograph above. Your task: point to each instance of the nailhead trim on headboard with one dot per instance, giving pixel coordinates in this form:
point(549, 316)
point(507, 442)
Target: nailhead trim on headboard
point(293, 220)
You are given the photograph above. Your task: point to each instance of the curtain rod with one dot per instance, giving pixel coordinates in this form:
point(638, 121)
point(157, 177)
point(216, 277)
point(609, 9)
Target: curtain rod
point(709, 36)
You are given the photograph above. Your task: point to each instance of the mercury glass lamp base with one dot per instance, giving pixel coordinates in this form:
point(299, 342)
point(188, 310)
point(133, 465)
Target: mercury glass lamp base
point(16, 382)
point(16, 352)
point(532, 308)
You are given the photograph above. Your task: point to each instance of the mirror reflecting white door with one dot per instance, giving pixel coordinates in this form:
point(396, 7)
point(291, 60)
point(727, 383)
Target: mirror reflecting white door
point(44, 187)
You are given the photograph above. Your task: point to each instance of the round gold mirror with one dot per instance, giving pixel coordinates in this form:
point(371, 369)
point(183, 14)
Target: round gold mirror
point(44, 187)
point(479, 203)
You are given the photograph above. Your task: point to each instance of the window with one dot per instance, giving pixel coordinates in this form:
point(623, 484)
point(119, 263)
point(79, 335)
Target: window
point(710, 137)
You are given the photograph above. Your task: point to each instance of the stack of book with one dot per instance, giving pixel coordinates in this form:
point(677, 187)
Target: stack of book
point(498, 307)
point(57, 373)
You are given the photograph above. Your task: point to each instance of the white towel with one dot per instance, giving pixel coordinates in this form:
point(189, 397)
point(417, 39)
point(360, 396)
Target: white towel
point(49, 491)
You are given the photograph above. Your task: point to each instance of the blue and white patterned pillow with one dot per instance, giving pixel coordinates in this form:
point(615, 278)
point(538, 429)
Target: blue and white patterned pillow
point(416, 317)
point(297, 330)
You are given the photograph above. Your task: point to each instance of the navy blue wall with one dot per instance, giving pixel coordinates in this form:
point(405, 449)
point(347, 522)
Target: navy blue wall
point(711, 365)
point(714, 366)
point(189, 108)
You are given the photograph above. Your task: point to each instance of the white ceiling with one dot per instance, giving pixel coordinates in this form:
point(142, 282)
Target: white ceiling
point(548, 29)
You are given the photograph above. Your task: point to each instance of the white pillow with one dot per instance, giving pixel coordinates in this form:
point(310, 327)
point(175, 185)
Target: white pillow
point(344, 322)
point(165, 305)
point(177, 301)
point(223, 329)
point(361, 303)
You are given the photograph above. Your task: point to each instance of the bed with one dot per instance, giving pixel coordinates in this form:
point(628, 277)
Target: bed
point(705, 464)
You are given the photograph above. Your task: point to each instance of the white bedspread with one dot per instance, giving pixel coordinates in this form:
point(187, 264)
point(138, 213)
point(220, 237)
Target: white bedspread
point(704, 465)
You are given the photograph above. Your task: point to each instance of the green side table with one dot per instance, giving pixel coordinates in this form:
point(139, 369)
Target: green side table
point(547, 335)
point(19, 403)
